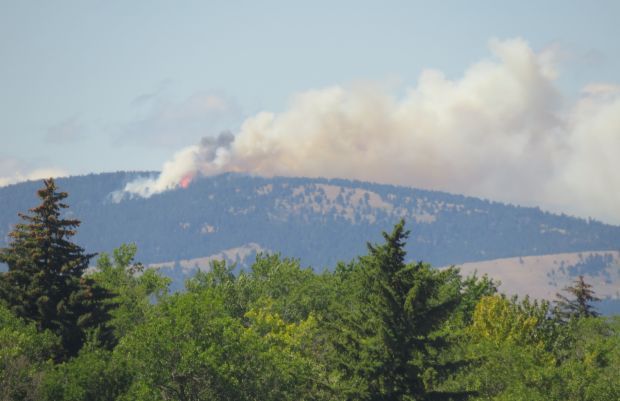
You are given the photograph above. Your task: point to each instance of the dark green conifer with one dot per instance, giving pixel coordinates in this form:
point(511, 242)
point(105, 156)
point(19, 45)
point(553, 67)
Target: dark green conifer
point(394, 348)
point(45, 281)
point(580, 304)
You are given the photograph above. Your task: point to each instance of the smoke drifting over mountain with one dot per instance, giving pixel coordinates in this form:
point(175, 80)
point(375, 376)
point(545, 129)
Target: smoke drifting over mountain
point(501, 131)
point(206, 158)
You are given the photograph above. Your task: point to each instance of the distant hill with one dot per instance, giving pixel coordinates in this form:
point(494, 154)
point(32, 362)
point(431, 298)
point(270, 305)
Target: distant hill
point(319, 221)
point(545, 275)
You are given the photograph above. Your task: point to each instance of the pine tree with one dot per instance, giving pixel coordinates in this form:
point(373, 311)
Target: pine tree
point(45, 281)
point(581, 303)
point(395, 346)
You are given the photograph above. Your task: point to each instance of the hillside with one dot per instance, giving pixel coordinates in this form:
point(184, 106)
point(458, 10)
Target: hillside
point(319, 221)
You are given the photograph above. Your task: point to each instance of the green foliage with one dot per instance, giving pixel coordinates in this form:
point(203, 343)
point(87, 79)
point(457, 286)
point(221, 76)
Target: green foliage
point(190, 348)
point(526, 353)
point(45, 282)
point(91, 376)
point(296, 292)
point(512, 341)
point(472, 290)
point(590, 370)
point(134, 287)
point(23, 353)
point(279, 304)
point(391, 344)
point(178, 353)
point(500, 321)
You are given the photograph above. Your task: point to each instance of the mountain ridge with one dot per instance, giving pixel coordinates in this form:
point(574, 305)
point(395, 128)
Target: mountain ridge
point(301, 216)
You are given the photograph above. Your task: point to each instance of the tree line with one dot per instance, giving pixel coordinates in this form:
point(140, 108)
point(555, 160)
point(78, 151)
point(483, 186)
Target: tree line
point(375, 328)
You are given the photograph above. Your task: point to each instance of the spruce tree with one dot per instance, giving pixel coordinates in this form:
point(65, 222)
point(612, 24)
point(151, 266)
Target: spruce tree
point(45, 281)
point(394, 347)
point(580, 305)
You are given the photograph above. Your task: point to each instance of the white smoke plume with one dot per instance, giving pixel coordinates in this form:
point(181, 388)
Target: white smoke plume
point(206, 158)
point(502, 131)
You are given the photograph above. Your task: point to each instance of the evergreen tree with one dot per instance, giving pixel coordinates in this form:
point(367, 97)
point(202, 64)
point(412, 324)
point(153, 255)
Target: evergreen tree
point(581, 304)
point(45, 281)
point(395, 344)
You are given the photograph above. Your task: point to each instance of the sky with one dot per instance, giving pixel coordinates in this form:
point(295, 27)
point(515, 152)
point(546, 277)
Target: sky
point(516, 101)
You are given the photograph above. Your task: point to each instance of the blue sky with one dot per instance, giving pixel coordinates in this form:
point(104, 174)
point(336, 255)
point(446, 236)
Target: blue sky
point(93, 86)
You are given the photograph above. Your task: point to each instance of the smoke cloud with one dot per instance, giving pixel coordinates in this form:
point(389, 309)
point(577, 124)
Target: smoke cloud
point(501, 131)
point(210, 156)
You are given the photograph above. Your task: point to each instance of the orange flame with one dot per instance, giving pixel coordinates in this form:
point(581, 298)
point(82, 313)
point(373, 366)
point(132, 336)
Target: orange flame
point(186, 180)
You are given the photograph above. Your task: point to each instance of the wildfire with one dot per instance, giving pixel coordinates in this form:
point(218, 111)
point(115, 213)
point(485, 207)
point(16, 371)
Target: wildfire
point(186, 180)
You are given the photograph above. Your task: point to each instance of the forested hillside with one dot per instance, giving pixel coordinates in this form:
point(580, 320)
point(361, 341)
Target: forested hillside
point(318, 221)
